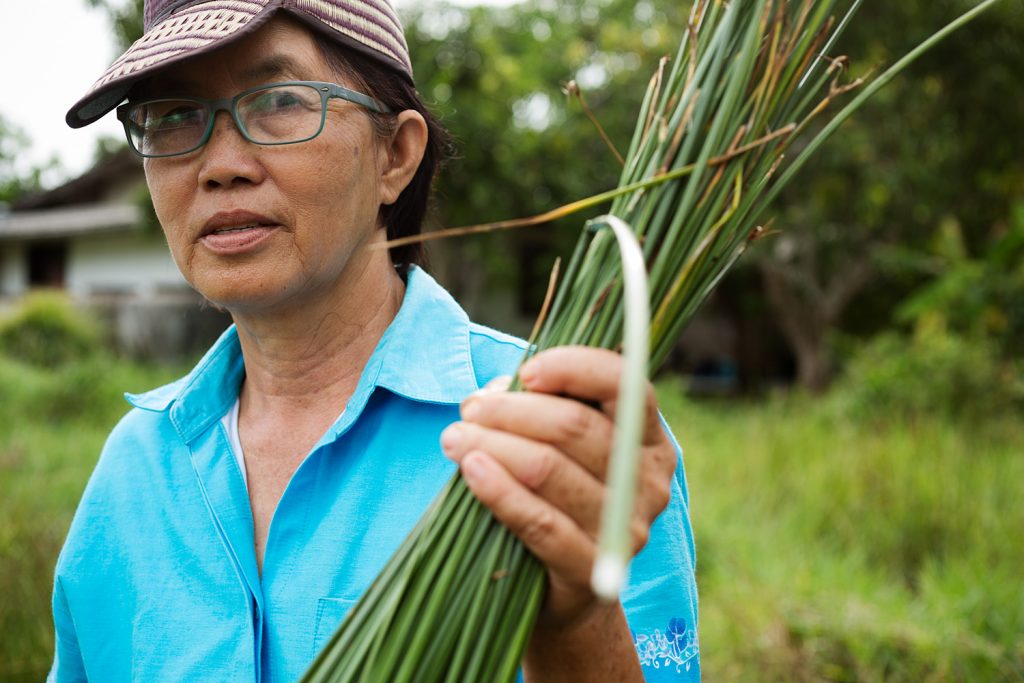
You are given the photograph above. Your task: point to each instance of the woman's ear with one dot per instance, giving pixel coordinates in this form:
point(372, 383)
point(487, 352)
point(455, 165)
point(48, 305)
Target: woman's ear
point(404, 151)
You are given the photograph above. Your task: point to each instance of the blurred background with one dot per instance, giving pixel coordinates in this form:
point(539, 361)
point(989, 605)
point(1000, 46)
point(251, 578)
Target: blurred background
point(849, 401)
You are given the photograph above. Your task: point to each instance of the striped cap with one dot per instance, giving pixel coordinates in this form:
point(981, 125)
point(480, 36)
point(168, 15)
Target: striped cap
point(176, 30)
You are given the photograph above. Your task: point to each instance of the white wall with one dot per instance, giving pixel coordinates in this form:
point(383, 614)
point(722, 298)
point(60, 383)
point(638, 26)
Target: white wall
point(138, 265)
point(13, 274)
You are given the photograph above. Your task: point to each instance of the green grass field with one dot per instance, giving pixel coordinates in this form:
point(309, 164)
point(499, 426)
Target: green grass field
point(829, 548)
point(832, 549)
point(52, 426)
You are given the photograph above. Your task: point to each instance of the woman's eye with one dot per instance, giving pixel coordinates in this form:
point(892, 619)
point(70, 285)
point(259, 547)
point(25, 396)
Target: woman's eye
point(180, 117)
point(285, 100)
point(273, 102)
point(278, 101)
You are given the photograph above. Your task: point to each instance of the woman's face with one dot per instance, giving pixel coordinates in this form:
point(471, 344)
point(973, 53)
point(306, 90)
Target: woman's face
point(257, 227)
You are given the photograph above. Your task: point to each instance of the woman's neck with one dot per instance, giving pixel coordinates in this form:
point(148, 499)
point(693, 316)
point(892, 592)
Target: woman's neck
point(307, 359)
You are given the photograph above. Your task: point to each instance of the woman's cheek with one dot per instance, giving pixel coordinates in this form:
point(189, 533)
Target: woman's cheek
point(169, 204)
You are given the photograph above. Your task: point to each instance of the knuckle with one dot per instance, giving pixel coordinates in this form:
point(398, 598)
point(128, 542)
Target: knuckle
point(540, 467)
point(576, 424)
point(538, 528)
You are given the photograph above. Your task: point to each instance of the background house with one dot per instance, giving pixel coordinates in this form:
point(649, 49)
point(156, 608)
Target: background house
point(95, 238)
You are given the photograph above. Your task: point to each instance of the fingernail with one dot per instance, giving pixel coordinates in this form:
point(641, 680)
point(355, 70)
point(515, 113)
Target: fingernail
point(528, 373)
point(473, 468)
point(451, 437)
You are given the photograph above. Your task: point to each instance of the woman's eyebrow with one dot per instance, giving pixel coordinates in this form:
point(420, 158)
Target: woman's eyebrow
point(270, 67)
point(273, 67)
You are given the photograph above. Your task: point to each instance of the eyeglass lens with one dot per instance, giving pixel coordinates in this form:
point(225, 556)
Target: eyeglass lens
point(276, 115)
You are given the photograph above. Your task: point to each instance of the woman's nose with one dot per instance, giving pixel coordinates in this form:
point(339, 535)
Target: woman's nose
point(228, 159)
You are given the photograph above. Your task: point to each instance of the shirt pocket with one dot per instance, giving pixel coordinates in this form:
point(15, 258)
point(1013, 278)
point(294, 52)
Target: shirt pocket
point(329, 613)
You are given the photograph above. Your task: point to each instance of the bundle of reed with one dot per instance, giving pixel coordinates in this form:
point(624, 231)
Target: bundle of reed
point(707, 158)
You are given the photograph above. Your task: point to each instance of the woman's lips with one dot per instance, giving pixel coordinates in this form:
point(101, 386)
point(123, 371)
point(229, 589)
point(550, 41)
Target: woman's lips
point(236, 240)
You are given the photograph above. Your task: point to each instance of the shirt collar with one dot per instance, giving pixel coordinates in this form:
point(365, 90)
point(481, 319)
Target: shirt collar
point(424, 355)
point(425, 352)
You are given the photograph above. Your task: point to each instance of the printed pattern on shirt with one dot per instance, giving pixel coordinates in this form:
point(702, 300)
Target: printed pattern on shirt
point(677, 646)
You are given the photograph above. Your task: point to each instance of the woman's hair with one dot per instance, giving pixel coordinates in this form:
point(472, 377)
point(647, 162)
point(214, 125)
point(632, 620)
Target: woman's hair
point(405, 216)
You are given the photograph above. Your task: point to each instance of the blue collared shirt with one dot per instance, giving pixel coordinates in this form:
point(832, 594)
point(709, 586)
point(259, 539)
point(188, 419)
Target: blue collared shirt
point(158, 581)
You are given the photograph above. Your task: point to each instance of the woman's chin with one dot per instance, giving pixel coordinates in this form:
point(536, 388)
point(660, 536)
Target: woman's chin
point(245, 295)
point(275, 282)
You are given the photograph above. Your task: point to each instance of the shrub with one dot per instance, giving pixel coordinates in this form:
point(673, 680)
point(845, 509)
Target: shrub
point(46, 330)
point(931, 372)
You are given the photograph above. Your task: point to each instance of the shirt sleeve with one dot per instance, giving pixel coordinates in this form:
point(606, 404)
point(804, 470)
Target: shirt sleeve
point(660, 596)
point(67, 657)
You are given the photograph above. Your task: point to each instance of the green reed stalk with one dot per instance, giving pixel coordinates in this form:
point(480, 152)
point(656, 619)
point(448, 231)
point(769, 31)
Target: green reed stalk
point(458, 599)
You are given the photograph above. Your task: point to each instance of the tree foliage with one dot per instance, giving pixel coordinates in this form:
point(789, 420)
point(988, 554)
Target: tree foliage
point(937, 145)
point(125, 20)
point(15, 180)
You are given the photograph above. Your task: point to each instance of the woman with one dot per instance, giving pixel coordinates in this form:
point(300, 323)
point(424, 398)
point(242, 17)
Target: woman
point(235, 515)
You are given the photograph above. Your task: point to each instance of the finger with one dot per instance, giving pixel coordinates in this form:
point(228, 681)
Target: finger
point(540, 467)
point(552, 536)
point(591, 375)
point(583, 433)
point(579, 371)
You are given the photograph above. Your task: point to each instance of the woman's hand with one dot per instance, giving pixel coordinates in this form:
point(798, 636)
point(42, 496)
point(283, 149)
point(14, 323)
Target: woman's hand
point(538, 459)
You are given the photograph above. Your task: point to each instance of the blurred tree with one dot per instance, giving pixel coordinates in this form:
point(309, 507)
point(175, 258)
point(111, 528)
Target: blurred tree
point(981, 296)
point(125, 20)
point(107, 146)
point(14, 180)
point(939, 142)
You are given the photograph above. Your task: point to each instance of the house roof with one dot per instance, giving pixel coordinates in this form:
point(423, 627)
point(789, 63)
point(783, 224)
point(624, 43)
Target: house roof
point(69, 220)
point(95, 185)
point(93, 202)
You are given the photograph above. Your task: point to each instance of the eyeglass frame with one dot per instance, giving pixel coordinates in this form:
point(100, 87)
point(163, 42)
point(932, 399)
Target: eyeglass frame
point(325, 89)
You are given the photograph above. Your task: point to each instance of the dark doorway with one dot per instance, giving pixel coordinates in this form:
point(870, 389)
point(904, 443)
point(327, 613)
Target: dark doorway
point(46, 264)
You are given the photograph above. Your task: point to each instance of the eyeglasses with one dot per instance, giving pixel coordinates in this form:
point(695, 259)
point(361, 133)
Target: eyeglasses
point(274, 114)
